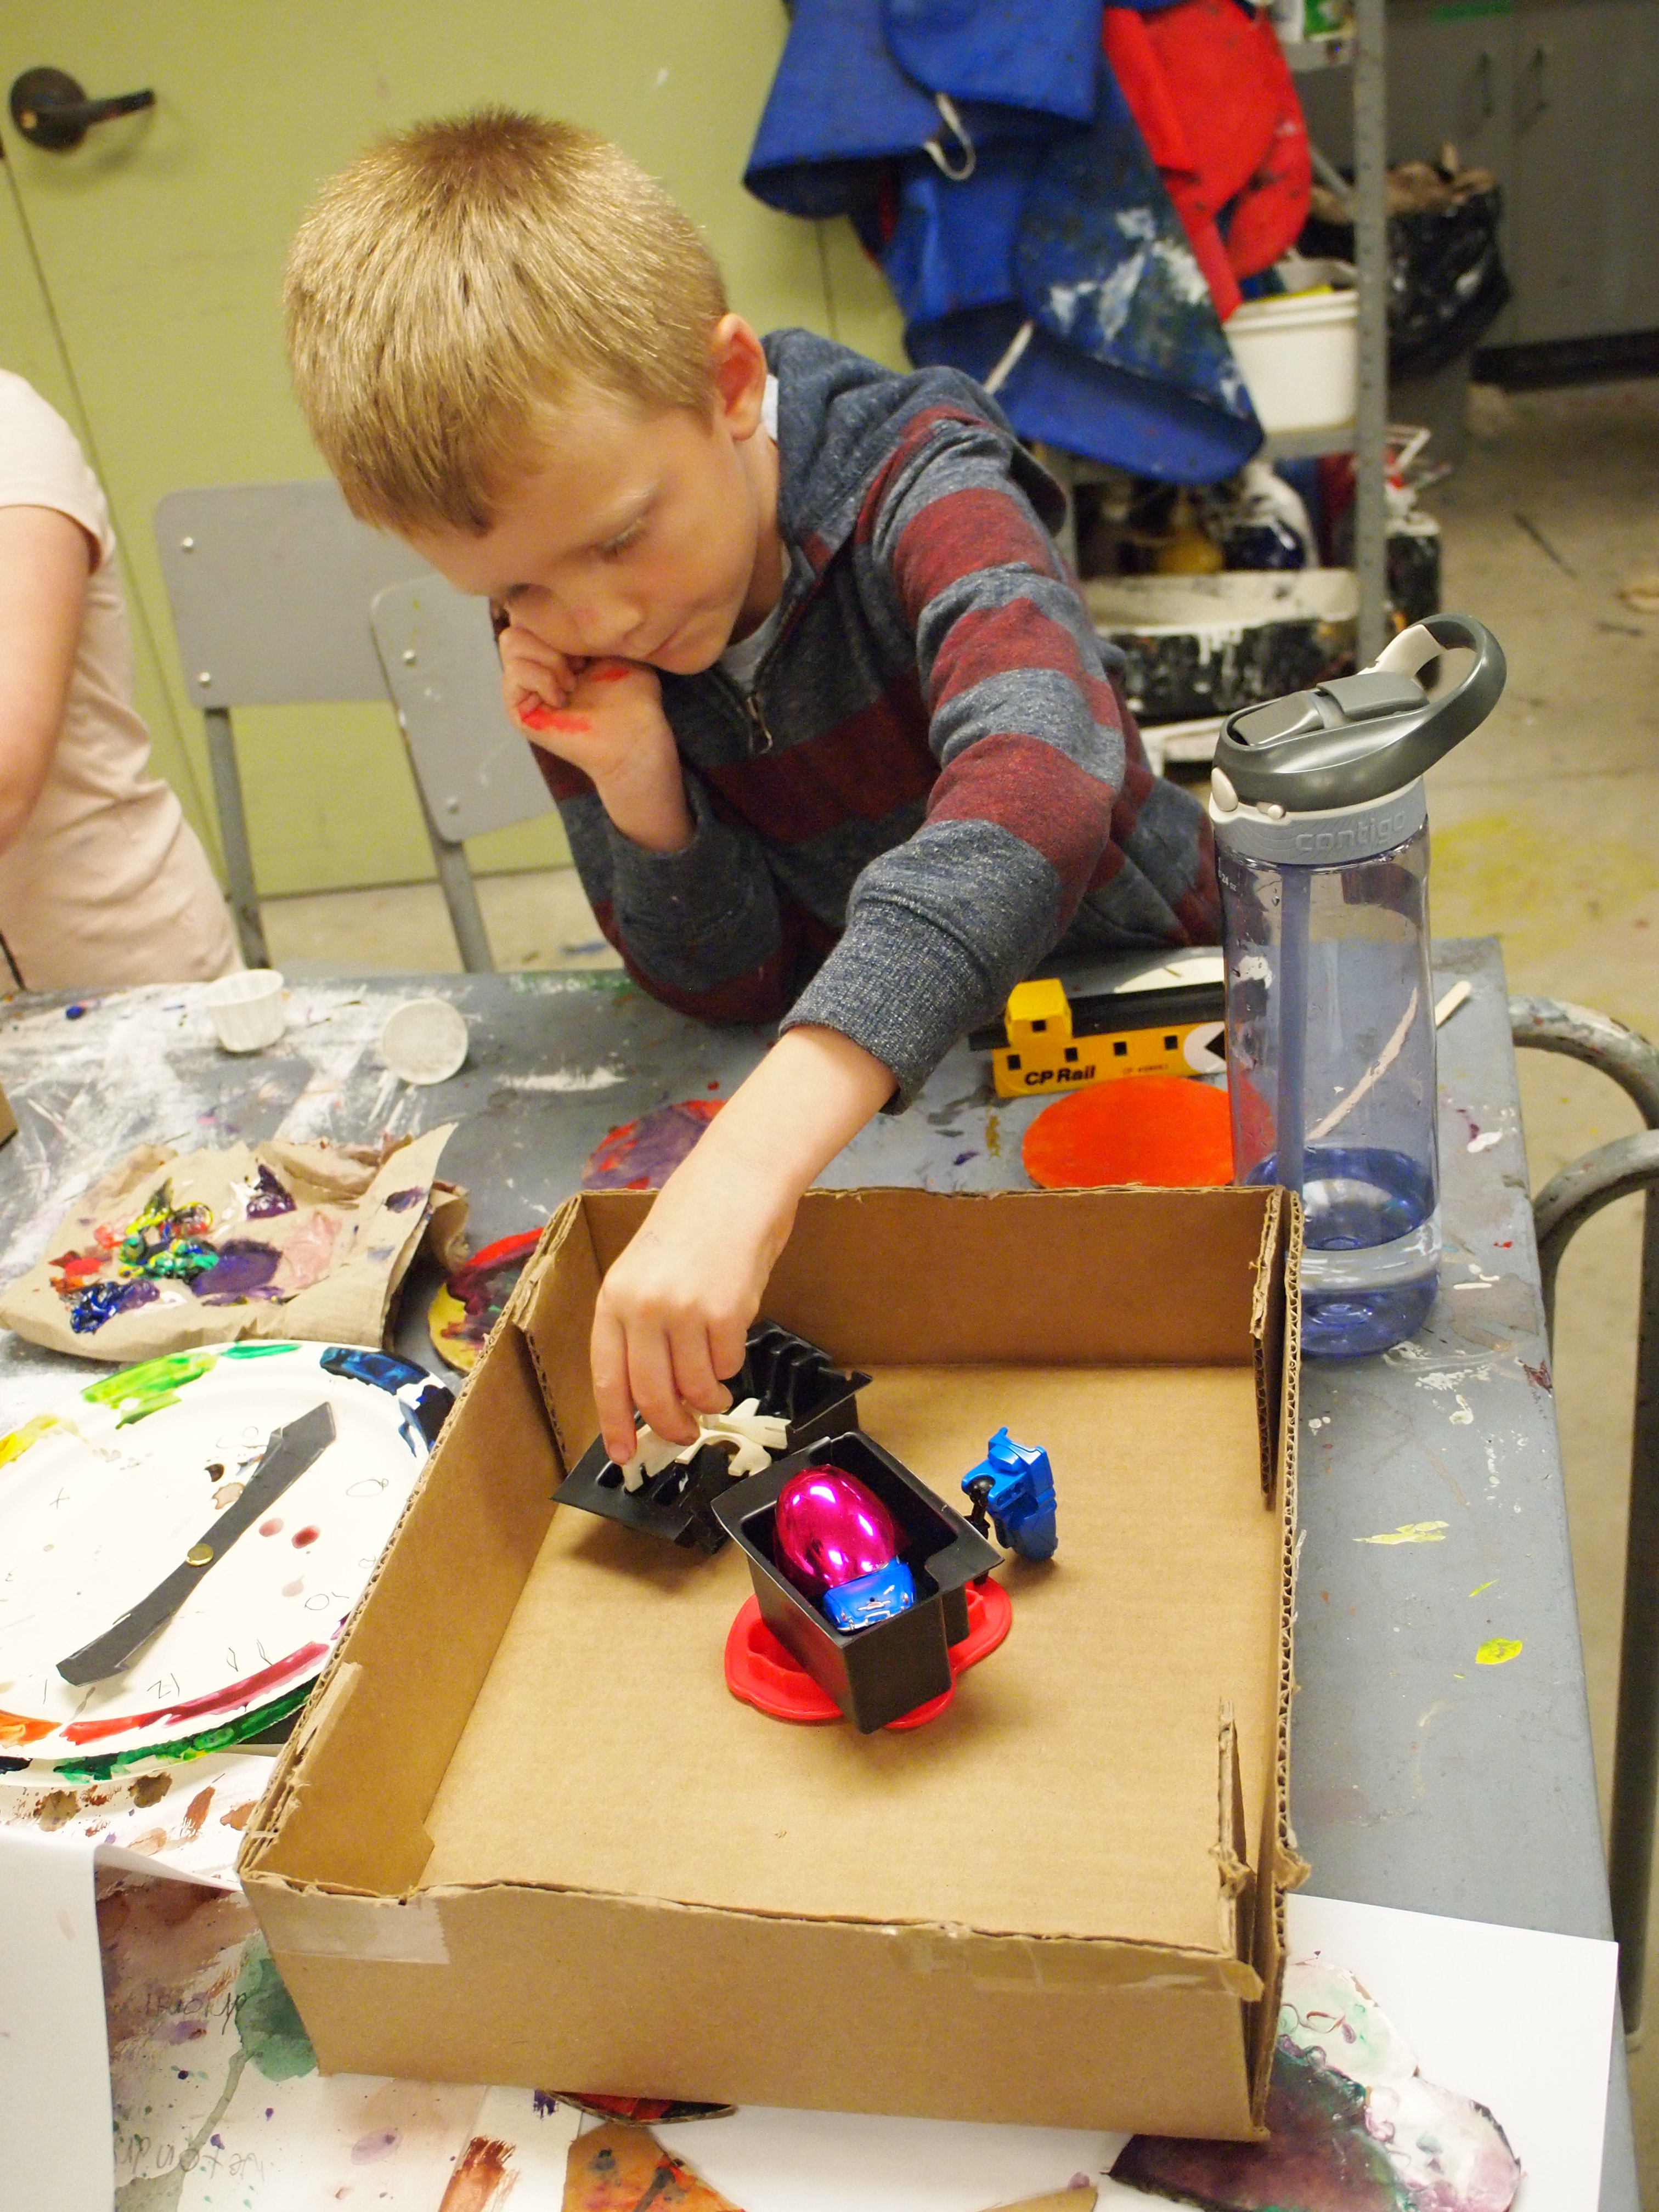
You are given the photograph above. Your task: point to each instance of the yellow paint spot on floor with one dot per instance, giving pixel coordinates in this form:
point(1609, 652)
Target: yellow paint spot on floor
point(1497, 1650)
point(1494, 874)
point(1478, 1587)
point(1411, 1532)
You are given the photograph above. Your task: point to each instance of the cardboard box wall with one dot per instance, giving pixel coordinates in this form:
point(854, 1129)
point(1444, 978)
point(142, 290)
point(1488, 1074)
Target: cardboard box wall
point(525, 1834)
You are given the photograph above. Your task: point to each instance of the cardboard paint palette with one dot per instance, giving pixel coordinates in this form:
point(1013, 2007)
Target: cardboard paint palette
point(107, 1497)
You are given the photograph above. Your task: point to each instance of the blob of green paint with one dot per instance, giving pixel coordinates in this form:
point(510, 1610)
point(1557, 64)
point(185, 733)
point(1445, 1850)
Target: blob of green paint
point(138, 1392)
point(256, 1351)
point(268, 2027)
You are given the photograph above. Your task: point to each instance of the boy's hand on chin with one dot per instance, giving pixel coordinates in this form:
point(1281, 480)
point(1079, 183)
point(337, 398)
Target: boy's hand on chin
point(606, 718)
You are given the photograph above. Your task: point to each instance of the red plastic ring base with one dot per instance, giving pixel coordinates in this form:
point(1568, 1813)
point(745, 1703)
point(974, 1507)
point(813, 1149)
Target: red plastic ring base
point(760, 1671)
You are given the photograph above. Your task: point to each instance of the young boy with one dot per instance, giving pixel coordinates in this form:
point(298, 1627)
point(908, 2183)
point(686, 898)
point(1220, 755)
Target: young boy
point(822, 711)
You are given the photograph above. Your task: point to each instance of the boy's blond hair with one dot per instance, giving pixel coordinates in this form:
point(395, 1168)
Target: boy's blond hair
point(461, 282)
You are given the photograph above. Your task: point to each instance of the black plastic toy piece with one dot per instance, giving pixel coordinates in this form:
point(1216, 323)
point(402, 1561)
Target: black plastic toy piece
point(879, 1673)
point(794, 1383)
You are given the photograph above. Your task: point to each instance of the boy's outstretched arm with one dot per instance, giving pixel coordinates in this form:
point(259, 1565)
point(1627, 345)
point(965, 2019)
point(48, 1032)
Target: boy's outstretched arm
point(676, 1306)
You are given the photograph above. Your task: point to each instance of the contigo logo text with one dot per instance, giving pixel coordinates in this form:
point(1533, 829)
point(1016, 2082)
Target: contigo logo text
point(1366, 833)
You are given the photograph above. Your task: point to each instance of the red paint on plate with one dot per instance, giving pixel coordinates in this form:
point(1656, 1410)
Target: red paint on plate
point(245, 1692)
point(1160, 1130)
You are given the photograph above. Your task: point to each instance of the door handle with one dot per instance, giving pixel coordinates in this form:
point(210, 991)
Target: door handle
point(52, 111)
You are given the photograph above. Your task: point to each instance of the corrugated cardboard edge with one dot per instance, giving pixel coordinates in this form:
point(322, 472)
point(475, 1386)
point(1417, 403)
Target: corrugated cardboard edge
point(8, 1119)
point(335, 1685)
point(409, 1931)
point(1278, 1304)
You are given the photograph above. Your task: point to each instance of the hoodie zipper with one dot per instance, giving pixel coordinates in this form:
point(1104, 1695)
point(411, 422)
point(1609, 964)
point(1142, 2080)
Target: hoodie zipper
point(760, 736)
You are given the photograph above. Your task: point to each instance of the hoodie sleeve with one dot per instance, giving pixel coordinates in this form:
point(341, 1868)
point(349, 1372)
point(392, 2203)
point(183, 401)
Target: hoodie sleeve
point(1043, 798)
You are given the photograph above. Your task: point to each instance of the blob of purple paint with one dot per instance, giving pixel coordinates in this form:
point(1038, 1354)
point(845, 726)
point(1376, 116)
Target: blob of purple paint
point(268, 1197)
point(401, 1200)
point(828, 1529)
point(244, 1266)
point(642, 1155)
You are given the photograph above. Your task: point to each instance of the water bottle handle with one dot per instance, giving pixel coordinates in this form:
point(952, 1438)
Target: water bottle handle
point(1454, 713)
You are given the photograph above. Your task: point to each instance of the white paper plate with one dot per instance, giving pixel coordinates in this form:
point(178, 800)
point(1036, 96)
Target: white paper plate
point(102, 1497)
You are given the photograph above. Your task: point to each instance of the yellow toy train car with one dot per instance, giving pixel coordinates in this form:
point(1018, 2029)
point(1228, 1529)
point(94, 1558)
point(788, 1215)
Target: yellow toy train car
point(1047, 1041)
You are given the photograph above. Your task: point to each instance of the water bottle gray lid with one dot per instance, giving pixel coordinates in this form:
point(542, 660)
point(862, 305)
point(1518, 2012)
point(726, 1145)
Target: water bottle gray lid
point(1358, 737)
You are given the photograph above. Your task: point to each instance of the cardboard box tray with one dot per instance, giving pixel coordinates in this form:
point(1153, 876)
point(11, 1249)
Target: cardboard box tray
point(526, 1834)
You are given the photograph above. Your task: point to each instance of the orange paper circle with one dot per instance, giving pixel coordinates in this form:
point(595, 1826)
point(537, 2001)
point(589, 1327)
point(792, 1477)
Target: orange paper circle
point(1162, 1129)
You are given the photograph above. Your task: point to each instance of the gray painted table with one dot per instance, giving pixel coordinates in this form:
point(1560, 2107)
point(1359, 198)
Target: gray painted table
point(1422, 1779)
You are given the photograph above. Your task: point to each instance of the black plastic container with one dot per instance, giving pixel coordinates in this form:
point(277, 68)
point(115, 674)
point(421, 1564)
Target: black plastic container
point(793, 1381)
point(879, 1673)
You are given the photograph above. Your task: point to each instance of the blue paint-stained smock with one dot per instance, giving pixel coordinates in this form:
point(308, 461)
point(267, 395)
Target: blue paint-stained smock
point(990, 162)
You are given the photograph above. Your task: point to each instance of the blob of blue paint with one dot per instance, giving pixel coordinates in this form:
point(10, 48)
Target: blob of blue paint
point(101, 1301)
point(74, 1014)
point(424, 1404)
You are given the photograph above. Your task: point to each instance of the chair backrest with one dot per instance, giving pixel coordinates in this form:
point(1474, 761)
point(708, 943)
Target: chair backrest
point(474, 767)
point(271, 586)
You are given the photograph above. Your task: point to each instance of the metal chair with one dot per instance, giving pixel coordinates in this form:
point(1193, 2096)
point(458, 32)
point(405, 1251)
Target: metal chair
point(1560, 1211)
point(472, 767)
point(271, 587)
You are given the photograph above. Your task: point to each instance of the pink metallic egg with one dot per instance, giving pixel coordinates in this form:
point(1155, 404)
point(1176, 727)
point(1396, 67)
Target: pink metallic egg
point(828, 1529)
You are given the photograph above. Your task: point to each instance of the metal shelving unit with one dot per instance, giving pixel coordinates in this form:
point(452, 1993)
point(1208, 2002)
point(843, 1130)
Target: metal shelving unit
point(1363, 51)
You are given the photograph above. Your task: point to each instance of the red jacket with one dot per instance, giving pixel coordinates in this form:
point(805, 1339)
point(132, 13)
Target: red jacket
point(1207, 82)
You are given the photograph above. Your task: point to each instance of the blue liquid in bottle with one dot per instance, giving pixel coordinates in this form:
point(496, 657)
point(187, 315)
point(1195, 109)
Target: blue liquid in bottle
point(1331, 1057)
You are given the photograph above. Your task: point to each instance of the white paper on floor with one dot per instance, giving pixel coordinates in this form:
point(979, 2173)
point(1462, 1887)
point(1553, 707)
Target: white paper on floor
point(54, 2059)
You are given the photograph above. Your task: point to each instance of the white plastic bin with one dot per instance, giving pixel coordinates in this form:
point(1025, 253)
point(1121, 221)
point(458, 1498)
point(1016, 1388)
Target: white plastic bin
point(1299, 354)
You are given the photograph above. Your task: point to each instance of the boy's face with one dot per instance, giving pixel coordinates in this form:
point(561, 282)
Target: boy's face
point(635, 536)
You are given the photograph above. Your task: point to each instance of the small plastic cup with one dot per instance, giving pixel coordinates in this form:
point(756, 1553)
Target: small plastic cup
point(424, 1041)
point(247, 1009)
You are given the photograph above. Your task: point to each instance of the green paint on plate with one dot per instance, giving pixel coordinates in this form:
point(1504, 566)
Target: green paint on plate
point(261, 1722)
point(255, 1350)
point(138, 1392)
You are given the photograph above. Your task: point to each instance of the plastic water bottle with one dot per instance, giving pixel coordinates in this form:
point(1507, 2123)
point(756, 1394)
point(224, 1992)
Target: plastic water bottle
point(1322, 851)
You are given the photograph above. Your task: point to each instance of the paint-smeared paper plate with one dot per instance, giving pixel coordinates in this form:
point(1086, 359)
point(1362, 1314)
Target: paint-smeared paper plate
point(101, 1499)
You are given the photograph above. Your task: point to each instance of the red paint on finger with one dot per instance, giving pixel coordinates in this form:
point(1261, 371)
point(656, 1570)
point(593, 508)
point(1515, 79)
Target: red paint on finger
point(547, 718)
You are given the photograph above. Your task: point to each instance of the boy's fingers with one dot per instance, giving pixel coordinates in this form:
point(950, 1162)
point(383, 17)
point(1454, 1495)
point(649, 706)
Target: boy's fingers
point(728, 1342)
point(651, 1379)
point(694, 1379)
point(612, 1398)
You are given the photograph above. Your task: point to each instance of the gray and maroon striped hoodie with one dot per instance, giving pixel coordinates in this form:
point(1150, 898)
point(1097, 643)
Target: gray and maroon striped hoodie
point(935, 781)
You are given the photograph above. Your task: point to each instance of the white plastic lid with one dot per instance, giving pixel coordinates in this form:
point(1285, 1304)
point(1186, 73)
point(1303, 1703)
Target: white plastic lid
point(424, 1041)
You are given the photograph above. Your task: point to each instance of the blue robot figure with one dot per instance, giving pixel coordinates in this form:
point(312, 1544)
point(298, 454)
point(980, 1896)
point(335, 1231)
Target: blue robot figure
point(1015, 1485)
